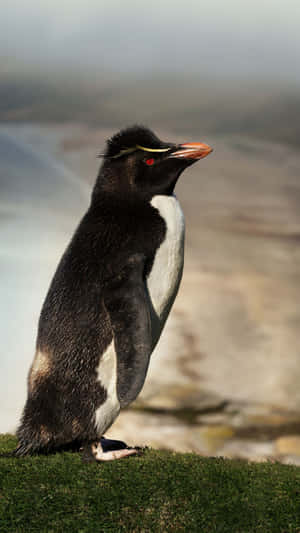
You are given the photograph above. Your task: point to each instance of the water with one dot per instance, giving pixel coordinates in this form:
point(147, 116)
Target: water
point(40, 205)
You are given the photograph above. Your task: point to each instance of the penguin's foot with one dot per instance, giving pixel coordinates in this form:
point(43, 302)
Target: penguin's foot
point(108, 450)
point(101, 455)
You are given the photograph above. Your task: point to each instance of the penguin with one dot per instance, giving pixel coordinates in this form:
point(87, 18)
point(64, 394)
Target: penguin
point(109, 299)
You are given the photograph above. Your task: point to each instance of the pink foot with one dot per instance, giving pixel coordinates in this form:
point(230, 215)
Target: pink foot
point(107, 450)
point(100, 455)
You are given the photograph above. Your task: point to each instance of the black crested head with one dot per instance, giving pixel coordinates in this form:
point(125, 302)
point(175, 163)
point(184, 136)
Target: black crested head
point(137, 164)
point(127, 140)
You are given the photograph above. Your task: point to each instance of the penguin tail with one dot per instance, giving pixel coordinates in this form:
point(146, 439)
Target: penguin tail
point(21, 450)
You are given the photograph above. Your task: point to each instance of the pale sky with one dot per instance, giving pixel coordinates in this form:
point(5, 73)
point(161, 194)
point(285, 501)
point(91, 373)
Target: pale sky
point(225, 38)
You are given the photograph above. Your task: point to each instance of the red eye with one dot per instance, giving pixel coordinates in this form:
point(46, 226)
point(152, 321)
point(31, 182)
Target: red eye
point(150, 161)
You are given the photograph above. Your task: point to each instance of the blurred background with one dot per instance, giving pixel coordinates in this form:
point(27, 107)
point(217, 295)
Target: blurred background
point(225, 377)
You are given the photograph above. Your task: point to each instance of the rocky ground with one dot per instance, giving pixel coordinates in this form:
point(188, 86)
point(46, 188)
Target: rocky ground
point(225, 377)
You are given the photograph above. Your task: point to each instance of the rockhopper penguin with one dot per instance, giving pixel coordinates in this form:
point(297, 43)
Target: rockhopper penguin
point(109, 299)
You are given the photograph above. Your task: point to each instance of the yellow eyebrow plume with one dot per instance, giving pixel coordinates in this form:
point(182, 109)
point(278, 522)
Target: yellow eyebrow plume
point(139, 147)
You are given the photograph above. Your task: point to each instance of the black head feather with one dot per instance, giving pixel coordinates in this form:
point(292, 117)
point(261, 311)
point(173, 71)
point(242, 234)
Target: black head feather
point(130, 137)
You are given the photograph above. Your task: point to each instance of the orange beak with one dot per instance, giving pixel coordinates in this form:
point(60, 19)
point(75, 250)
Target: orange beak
point(192, 151)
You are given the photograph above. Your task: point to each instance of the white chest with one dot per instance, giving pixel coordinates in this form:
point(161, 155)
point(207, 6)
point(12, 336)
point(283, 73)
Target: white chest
point(107, 375)
point(165, 276)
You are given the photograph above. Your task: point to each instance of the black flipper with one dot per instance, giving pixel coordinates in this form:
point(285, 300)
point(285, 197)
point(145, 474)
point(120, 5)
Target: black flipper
point(127, 304)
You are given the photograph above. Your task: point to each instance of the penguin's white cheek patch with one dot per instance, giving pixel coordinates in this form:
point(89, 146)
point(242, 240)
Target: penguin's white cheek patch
point(107, 376)
point(39, 368)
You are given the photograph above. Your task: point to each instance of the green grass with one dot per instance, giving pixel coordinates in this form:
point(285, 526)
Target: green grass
point(158, 492)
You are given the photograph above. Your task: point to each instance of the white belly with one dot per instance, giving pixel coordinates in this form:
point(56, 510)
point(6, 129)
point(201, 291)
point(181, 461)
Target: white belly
point(165, 276)
point(107, 375)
